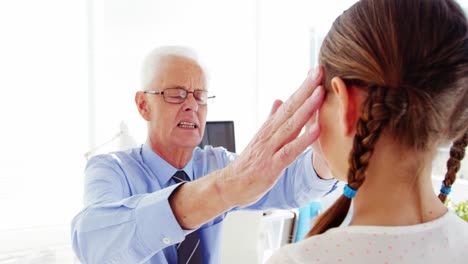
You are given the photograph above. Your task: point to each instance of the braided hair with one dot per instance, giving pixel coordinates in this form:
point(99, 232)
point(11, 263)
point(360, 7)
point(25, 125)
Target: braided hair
point(457, 152)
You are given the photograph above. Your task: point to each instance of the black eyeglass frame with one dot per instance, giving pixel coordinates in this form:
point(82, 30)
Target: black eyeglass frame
point(184, 96)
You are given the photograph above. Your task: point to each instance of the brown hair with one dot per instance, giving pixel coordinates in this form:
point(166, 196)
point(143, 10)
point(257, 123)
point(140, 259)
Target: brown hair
point(411, 57)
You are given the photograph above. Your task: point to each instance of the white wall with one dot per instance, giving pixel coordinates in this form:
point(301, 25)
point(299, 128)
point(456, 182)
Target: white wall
point(44, 115)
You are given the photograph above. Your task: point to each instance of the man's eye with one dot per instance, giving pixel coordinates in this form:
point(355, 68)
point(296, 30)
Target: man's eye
point(175, 96)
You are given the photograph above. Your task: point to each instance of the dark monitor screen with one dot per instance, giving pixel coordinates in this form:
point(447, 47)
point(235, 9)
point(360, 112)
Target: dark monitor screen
point(219, 134)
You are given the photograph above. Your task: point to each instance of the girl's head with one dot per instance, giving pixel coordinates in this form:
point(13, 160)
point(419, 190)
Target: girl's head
point(399, 69)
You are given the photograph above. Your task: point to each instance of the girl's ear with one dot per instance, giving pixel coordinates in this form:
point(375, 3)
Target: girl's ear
point(141, 101)
point(348, 98)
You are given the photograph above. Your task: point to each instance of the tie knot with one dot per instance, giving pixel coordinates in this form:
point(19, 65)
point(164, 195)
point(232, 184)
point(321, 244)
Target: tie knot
point(181, 176)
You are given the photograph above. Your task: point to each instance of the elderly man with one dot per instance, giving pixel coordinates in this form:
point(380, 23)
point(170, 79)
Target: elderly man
point(164, 202)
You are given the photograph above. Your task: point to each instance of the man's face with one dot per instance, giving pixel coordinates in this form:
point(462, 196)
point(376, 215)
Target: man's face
point(177, 126)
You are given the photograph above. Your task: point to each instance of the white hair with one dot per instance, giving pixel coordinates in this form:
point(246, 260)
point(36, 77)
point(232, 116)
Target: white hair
point(153, 59)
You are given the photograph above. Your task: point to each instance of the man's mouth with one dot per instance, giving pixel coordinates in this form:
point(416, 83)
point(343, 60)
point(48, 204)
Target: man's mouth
point(187, 125)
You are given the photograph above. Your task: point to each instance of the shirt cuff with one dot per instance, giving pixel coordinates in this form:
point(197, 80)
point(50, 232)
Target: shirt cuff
point(157, 226)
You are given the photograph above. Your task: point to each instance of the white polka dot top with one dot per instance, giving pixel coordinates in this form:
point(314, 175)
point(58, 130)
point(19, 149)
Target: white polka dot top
point(444, 240)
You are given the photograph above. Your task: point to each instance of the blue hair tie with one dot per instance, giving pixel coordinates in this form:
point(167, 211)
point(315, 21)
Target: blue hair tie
point(349, 192)
point(445, 190)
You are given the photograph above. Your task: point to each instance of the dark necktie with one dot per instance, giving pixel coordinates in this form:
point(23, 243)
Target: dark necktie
point(189, 250)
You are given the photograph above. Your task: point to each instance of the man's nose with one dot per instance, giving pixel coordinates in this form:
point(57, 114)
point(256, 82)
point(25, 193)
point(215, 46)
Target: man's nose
point(190, 103)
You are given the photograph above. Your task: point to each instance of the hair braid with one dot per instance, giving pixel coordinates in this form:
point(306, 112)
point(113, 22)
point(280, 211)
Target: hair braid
point(368, 131)
point(457, 152)
point(374, 117)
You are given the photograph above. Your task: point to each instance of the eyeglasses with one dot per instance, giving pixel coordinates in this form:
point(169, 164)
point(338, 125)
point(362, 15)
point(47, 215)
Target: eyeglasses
point(178, 95)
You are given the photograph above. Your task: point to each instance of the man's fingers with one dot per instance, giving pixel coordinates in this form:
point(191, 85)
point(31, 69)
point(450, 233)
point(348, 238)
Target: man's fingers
point(291, 127)
point(287, 109)
point(278, 142)
point(313, 119)
point(289, 152)
point(276, 104)
point(296, 100)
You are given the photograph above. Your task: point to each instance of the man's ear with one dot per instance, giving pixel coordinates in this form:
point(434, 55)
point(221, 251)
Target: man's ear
point(141, 101)
point(348, 103)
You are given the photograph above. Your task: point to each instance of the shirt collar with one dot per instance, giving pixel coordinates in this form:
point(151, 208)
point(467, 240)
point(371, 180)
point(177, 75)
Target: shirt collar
point(161, 169)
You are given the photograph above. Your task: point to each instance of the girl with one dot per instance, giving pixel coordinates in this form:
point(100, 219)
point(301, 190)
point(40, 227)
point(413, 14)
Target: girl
point(396, 81)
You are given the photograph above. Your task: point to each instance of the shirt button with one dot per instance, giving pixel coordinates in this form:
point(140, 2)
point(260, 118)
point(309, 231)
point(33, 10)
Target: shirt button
point(166, 240)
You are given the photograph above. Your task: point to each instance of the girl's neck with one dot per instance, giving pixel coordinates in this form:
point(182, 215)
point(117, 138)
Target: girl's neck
point(398, 189)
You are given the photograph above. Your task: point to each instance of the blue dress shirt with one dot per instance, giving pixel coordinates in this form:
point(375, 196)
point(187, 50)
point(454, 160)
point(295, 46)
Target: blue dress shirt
point(127, 217)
